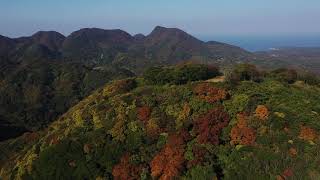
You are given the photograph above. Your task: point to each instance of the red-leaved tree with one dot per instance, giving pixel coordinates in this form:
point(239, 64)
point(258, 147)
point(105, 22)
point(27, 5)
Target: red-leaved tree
point(144, 114)
point(169, 162)
point(198, 156)
point(241, 133)
point(209, 126)
point(124, 170)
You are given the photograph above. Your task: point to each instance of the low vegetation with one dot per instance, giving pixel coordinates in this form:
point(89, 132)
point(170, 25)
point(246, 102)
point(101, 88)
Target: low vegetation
point(180, 74)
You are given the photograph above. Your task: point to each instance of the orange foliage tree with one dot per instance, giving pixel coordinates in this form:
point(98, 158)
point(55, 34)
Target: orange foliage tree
point(52, 139)
point(169, 162)
point(120, 86)
point(30, 137)
point(293, 152)
point(144, 114)
point(153, 129)
point(307, 133)
point(286, 174)
point(124, 170)
point(209, 93)
point(241, 133)
point(209, 126)
point(262, 112)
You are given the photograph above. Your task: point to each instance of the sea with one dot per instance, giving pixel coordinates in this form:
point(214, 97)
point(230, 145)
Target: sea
point(265, 43)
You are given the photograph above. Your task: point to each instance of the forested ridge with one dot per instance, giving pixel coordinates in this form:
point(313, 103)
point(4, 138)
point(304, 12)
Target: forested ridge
point(254, 125)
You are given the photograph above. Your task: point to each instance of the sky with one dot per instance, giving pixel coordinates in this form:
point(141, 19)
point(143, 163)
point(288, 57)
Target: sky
point(203, 18)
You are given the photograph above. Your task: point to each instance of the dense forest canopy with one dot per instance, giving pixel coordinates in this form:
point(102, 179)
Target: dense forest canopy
point(197, 128)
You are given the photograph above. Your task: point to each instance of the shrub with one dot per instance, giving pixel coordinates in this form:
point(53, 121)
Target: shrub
point(200, 172)
point(286, 174)
point(237, 104)
point(285, 75)
point(144, 114)
point(30, 137)
point(152, 128)
point(182, 118)
point(244, 72)
point(243, 136)
point(209, 126)
point(262, 112)
point(180, 74)
point(120, 86)
point(309, 78)
point(307, 133)
point(198, 156)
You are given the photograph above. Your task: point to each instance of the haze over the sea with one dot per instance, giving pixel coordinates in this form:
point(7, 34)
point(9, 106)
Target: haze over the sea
point(267, 42)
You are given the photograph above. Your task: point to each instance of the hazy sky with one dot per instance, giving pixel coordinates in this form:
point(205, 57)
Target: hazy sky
point(199, 17)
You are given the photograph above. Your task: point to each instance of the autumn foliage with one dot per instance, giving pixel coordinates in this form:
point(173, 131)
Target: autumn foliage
point(52, 139)
point(262, 112)
point(307, 133)
point(124, 170)
point(287, 173)
point(153, 129)
point(169, 162)
point(30, 137)
point(120, 86)
point(209, 126)
point(144, 114)
point(199, 156)
point(241, 133)
point(87, 148)
point(209, 93)
point(293, 152)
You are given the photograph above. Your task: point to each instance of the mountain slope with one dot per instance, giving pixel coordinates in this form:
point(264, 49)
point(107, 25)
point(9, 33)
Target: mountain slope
point(35, 92)
point(96, 45)
point(6, 45)
point(200, 130)
point(166, 46)
point(53, 40)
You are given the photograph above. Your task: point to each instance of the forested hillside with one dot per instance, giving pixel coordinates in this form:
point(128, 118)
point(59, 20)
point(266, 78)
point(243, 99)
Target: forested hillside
point(254, 125)
point(37, 91)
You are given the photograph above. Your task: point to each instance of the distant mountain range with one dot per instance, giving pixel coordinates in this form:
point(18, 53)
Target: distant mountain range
point(100, 47)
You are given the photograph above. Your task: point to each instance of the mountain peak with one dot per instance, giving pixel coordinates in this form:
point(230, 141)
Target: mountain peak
point(51, 39)
point(171, 34)
point(6, 44)
point(47, 33)
point(139, 37)
point(94, 42)
point(99, 35)
point(98, 31)
point(164, 30)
